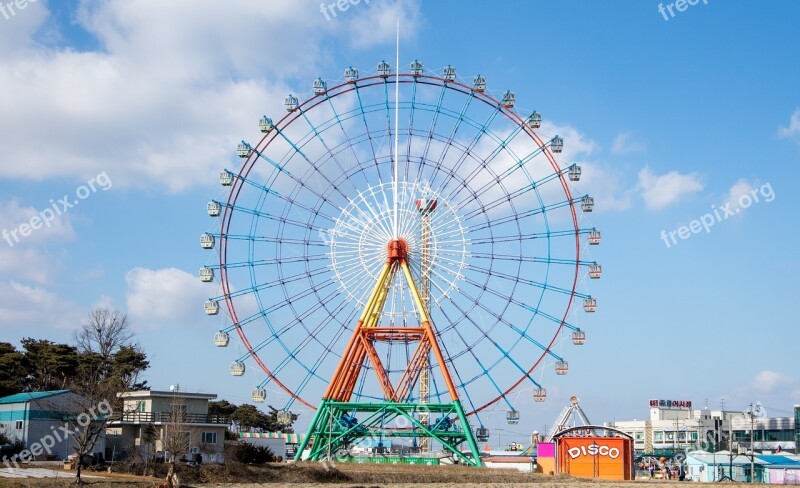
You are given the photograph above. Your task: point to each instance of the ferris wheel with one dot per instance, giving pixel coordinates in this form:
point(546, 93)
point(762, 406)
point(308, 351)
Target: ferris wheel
point(401, 246)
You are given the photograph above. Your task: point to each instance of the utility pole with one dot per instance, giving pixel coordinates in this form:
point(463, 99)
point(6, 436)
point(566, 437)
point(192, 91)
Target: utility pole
point(752, 413)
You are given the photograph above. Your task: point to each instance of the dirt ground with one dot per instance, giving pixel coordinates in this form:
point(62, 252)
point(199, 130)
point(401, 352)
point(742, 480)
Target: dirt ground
point(317, 475)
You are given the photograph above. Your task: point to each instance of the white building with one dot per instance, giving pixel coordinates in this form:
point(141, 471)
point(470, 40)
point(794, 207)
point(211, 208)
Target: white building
point(159, 411)
point(674, 426)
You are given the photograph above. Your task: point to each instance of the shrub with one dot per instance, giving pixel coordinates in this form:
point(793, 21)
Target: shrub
point(247, 453)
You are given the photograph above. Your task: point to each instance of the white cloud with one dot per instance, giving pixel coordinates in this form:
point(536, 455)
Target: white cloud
point(771, 388)
point(172, 89)
point(164, 297)
point(601, 181)
point(623, 144)
point(661, 191)
point(769, 381)
point(31, 307)
point(605, 185)
point(792, 132)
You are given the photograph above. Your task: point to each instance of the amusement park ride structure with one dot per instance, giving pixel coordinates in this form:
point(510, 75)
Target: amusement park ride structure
point(411, 288)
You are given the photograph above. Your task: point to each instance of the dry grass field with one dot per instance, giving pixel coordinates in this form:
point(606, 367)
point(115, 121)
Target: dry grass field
point(339, 476)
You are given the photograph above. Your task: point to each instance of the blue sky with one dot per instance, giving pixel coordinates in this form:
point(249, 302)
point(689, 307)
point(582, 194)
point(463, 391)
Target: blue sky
point(667, 117)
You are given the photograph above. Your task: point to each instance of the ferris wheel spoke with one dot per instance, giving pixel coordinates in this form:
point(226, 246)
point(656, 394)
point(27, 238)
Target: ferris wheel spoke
point(535, 184)
point(510, 278)
point(267, 216)
point(530, 259)
point(431, 132)
point(521, 215)
point(505, 355)
point(453, 132)
point(289, 201)
point(291, 358)
point(368, 132)
point(526, 237)
point(466, 154)
point(471, 352)
point(257, 287)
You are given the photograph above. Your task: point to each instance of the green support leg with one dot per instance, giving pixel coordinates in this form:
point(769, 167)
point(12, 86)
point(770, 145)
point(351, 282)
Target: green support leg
point(329, 434)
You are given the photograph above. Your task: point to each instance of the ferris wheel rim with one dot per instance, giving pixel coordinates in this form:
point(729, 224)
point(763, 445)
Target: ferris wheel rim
point(363, 83)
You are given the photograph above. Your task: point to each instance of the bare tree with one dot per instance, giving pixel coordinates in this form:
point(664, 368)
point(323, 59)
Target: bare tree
point(179, 437)
point(104, 332)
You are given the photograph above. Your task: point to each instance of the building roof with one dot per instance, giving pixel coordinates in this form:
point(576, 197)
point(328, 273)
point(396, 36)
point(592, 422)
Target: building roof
point(778, 459)
point(722, 458)
point(34, 395)
point(169, 394)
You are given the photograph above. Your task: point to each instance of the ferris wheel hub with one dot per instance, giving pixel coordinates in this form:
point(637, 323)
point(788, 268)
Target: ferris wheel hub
point(397, 250)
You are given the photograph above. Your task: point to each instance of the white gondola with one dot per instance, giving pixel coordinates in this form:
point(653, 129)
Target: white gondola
point(562, 367)
point(258, 395)
point(595, 271)
point(449, 73)
point(482, 434)
point(291, 103)
point(589, 305)
point(509, 99)
point(243, 150)
point(206, 274)
point(574, 173)
point(207, 241)
point(221, 339)
point(578, 337)
point(416, 68)
point(320, 86)
point(214, 209)
point(534, 120)
point(557, 144)
point(284, 417)
point(226, 178)
point(479, 84)
point(512, 417)
point(211, 307)
point(237, 368)
point(384, 70)
point(265, 124)
point(587, 203)
point(594, 237)
point(539, 394)
point(350, 74)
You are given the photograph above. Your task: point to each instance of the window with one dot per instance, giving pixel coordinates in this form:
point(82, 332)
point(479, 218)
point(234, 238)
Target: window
point(18, 425)
point(659, 436)
point(639, 436)
point(209, 437)
point(141, 406)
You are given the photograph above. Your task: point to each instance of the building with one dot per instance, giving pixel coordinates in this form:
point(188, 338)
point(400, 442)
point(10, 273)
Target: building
point(674, 426)
point(143, 425)
point(796, 426)
point(39, 421)
point(707, 467)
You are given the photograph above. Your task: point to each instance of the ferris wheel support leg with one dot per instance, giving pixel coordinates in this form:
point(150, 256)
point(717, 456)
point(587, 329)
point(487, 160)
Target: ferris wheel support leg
point(304, 444)
point(473, 444)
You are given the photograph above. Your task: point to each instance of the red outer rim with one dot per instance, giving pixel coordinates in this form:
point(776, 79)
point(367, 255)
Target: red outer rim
point(347, 87)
